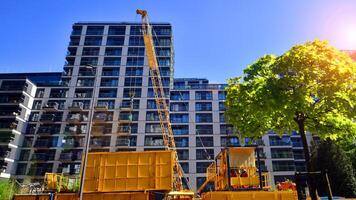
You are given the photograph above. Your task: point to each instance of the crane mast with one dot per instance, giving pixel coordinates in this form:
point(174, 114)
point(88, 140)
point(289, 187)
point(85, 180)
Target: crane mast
point(161, 103)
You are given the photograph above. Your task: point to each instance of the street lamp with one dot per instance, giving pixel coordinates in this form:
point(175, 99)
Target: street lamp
point(87, 140)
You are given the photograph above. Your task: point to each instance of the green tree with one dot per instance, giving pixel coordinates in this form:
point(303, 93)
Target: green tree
point(338, 166)
point(311, 87)
point(7, 189)
point(5, 138)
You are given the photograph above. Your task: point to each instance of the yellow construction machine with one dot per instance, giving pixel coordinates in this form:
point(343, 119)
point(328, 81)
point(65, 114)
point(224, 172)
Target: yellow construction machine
point(236, 176)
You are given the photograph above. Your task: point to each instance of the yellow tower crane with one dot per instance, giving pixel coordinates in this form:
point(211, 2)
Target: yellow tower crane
point(161, 103)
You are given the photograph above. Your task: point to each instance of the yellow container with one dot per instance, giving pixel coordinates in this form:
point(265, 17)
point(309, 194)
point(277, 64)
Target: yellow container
point(66, 196)
point(31, 197)
point(117, 196)
point(129, 171)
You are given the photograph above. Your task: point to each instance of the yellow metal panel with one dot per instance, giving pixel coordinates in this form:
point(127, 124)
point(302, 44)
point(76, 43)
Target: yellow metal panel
point(250, 195)
point(129, 171)
point(66, 196)
point(31, 197)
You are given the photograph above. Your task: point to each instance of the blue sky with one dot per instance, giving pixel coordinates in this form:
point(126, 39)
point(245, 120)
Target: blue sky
point(214, 39)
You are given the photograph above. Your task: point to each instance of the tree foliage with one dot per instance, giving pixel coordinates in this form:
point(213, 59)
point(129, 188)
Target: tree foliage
point(312, 79)
point(7, 189)
point(338, 166)
point(5, 138)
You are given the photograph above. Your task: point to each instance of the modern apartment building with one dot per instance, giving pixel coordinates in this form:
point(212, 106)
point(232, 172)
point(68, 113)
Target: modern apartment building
point(105, 76)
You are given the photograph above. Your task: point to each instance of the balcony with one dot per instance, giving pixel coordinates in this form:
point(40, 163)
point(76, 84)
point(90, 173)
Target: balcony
point(124, 130)
point(102, 117)
point(74, 130)
point(99, 142)
point(66, 156)
point(123, 142)
point(101, 107)
point(76, 106)
point(41, 157)
point(51, 107)
point(73, 142)
point(126, 106)
point(76, 118)
point(49, 118)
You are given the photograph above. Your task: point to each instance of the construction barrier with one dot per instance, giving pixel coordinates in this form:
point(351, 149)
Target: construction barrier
point(250, 195)
point(129, 171)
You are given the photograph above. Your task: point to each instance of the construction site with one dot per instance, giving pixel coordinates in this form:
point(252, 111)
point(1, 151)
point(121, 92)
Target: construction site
point(116, 125)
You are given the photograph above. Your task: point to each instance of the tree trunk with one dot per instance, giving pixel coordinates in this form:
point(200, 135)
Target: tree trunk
point(311, 183)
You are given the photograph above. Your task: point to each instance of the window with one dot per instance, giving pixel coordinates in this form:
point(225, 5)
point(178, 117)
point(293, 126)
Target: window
point(109, 82)
point(56, 103)
point(222, 95)
point(203, 95)
point(209, 187)
point(58, 93)
point(136, 51)
point(300, 166)
point(132, 92)
point(107, 93)
point(151, 104)
point(90, 51)
point(153, 141)
point(117, 30)
point(136, 41)
point(203, 106)
point(37, 105)
point(204, 129)
point(133, 81)
point(165, 62)
point(165, 71)
point(163, 51)
point(69, 61)
point(150, 92)
point(112, 60)
point(134, 71)
point(161, 30)
point(278, 141)
point(230, 142)
point(221, 117)
point(204, 142)
point(108, 71)
point(281, 153)
point(89, 61)
point(180, 129)
point(296, 142)
point(40, 93)
point(95, 30)
point(115, 41)
point(113, 51)
point(153, 128)
point(74, 41)
point(180, 95)
point(205, 154)
point(152, 116)
point(283, 166)
point(72, 51)
point(162, 41)
point(203, 118)
point(179, 118)
point(183, 154)
point(77, 30)
point(136, 30)
point(130, 116)
point(134, 61)
point(202, 166)
point(92, 41)
point(179, 106)
point(298, 154)
point(222, 106)
point(85, 82)
point(185, 167)
point(83, 93)
point(109, 103)
point(182, 141)
point(226, 129)
point(85, 104)
point(165, 81)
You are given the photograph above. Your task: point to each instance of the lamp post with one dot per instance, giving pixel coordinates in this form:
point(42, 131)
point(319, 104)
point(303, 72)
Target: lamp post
point(87, 140)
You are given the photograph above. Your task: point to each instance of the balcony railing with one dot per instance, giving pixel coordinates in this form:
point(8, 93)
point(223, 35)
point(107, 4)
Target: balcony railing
point(51, 106)
point(76, 106)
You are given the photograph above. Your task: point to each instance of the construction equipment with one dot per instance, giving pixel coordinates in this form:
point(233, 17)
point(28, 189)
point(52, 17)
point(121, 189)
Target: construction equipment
point(161, 104)
point(235, 175)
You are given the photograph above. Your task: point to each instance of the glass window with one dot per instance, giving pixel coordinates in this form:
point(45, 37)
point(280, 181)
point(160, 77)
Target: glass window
point(179, 118)
point(222, 106)
point(136, 51)
point(163, 52)
point(134, 71)
point(165, 62)
point(222, 95)
point(112, 61)
point(107, 93)
point(153, 128)
point(136, 30)
point(165, 81)
point(179, 106)
point(283, 166)
point(135, 104)
point(180, 95)
point(117, 30)
point(230, 142)
point(90, 51)
point(108, 71)
point(202, 166)
point(136, 41)
point(203, 118)
point(222, 117)
point(180, 129)
point(95, 30)
point(85, 82)
point(205, 154)
point(182, 141)
point(161, 30)
point(185, 167)
point(109, 103)
point(74, 41)
point(204, 129)
point(72, 51)
point(113, 51)
point(296, 142)
point(204, 142)
point(165, 71)
point(298, 154)
point(109, 82)
point(281, 153)
point(162, 41)
point(150, 92)
point(153, 141)
point(133, 81)
point(77, 30)
point(83, 93)
point(83, 71)
point(89, 61)
point(58, 93)
point(115, 41)
point(300, 166)
point(92, 41)
point(183, 154)
point(135, 61)
point(152, 116)
point(132, 92)
point(203, 106)
point(203, 95)
point(279, 141)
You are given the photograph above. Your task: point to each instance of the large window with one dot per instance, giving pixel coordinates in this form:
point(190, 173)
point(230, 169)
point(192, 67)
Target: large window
point(153, 128)
point(136, 51)
point(115, 41)
point(180, 129)
point(117, 30)
point(163, 51)
point(135, 61)
point(204, 129)
point(90, 51)
point(107, 93)
point(109, 82)
point(222, 95)
point(161, 30)
point(164, 62)
point(229, 142)
point(113, 51)
point(92, 41)
point(180, 95)
point(95, 30)
point(152, 116)
point(134, 71)
point(283, 166)
point(89, 61)
point(182, 141)
point(162, 41)
point(203, 95)
point(281, 153)
point(203, 106)
point(205, 154)
point(202, 166)
point(203, 118)
point(133, 81)
point(132, 92)
point(279, 141)
point(109, 71)
point(179, 106)
point(136, 41)
point(183, 154)
point(136, 30)
point(204, 142)
point(226, 129)
point(112, 60)
point(77, 30)
point(74, 40)
point(179, 118)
